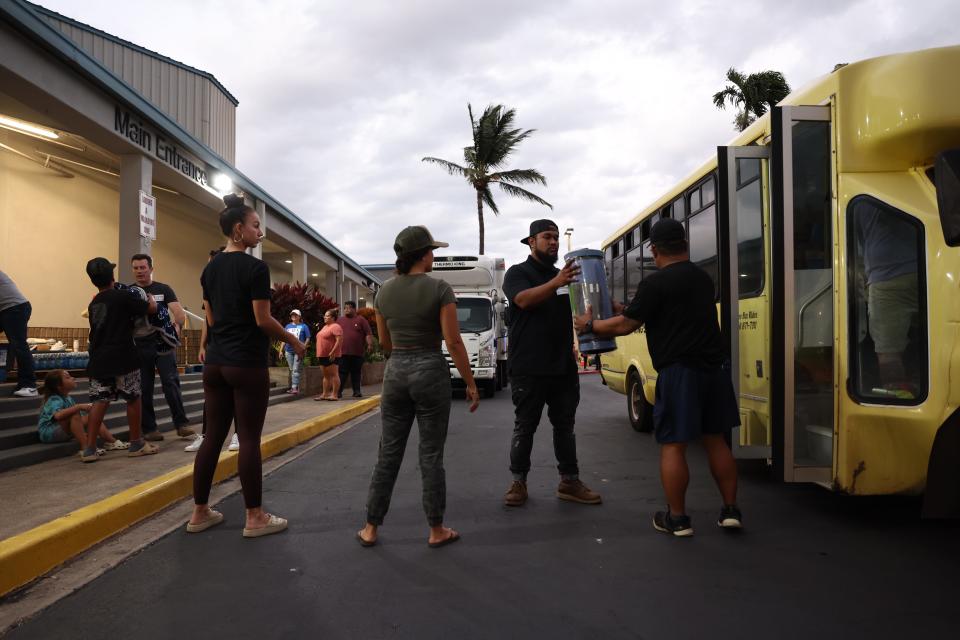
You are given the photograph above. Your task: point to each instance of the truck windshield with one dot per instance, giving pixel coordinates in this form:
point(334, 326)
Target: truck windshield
point(474, 315)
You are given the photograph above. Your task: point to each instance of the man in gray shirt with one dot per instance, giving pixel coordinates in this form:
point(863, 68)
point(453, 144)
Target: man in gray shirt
point(15, 313)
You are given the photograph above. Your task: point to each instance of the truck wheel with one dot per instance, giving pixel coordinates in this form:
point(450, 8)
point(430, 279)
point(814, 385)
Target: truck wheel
point(498, 378)
point(489, 388)
point(638, 409)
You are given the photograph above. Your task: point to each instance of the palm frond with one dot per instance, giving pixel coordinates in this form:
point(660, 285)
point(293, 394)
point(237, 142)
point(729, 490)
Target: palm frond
point(517, 192)
point(451, 168)
point(730, 94)
point(487, 198)
point(519, 176)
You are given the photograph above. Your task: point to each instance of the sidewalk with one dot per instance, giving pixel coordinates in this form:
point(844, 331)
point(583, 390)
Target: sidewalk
point(52, 511)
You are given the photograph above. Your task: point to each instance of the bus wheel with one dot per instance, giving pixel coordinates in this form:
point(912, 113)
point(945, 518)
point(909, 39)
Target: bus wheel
point(638, 409)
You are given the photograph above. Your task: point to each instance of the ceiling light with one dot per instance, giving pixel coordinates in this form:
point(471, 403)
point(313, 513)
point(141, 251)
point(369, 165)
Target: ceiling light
point(20, 125)
point(314, 274)
point(289, 261)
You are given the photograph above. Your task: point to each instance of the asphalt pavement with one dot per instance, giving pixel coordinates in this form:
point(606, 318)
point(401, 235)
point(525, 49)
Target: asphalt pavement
point(809, 564)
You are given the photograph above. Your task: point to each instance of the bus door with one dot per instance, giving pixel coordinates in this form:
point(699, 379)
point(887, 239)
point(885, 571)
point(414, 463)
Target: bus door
point(803, 382)
point(744, 199)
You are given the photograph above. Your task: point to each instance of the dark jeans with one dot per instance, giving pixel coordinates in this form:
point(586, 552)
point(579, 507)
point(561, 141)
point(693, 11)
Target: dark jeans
point(416, 384)
point(166, 365)
point(13, 322)
point(561, 395)
point(238, 394)
point(350, 367)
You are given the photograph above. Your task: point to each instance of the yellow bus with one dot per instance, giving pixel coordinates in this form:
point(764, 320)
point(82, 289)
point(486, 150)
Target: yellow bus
point(837, 280)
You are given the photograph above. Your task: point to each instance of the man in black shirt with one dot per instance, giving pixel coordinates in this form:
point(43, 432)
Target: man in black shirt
point(157, 345)
point(543, 366)
point(114, 366)
point(694, 397)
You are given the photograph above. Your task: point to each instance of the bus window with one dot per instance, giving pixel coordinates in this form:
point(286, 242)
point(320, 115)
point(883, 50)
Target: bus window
point(608, 266)
point(678, 212)
point(694, 199)
point(628, 239)
point(702, 236)
point(888, 322)
point(708, 192)
point(634, 270)
point(617, 249)
point(616, 279)
point(749, 227)
point(648, 264)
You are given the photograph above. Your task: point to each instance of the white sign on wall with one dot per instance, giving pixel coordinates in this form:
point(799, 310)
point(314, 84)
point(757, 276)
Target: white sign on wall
point(148, 216)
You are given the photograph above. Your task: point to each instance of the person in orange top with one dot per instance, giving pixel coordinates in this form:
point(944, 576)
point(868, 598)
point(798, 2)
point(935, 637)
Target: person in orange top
point(329, 346)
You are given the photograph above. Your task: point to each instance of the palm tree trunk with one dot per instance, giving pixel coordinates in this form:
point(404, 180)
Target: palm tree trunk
point(480, 216)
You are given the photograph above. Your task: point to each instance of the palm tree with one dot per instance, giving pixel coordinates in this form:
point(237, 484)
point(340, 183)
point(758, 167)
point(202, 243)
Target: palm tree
point(752, 94)
point(494, 140)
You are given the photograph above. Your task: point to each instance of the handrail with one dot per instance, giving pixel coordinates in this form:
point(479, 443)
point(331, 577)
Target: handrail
point(803, 309)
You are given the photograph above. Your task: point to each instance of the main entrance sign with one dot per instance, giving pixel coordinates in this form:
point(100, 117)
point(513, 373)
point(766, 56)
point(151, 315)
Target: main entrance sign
point(155, 144)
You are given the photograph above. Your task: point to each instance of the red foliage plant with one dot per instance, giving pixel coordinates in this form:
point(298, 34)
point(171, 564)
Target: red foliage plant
point(311, 302)
point(371, 317)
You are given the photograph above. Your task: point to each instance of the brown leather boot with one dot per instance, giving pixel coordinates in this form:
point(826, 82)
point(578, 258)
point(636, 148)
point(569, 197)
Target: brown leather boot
point(576, 491)
point(516, 495)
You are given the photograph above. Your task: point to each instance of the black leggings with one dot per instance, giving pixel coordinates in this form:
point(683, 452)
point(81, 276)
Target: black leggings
point(233, 394)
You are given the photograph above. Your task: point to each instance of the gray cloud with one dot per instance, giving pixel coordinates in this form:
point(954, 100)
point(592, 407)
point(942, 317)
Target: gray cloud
point(340, 100)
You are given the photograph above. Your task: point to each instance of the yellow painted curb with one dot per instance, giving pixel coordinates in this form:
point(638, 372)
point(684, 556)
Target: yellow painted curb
point(29, 555)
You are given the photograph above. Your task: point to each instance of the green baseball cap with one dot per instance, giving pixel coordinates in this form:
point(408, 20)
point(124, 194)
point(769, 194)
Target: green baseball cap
point(414, 239)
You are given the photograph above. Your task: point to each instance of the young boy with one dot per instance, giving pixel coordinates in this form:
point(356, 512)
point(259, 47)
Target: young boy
point(114, 367)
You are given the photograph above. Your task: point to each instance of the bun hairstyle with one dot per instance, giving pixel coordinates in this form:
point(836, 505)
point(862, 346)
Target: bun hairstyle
point(235, 212)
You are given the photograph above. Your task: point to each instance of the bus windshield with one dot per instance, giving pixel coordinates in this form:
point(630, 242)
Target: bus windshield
point(474, 315)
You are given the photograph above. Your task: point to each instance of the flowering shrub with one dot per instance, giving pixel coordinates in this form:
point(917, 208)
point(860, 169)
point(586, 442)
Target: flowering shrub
point(312, 304)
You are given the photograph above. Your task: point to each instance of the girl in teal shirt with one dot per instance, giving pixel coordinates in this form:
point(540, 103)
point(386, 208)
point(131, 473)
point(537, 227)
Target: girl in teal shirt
point(61, 417)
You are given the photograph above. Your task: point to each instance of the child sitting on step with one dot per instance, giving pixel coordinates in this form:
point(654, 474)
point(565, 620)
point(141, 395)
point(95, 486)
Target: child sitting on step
point(61, 417)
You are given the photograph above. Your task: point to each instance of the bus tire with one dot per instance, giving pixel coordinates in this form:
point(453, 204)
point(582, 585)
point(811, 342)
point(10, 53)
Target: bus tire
point(638, 409)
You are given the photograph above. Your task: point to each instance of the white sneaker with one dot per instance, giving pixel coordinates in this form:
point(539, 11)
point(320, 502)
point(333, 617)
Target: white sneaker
point(234, 444)
point(26, 392)
point(195, 445)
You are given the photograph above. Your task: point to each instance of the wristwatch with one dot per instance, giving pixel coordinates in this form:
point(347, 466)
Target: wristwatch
point(588, 328)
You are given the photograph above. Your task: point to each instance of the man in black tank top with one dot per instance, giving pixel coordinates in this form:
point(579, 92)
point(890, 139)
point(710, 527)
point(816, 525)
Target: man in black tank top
point(694, 396)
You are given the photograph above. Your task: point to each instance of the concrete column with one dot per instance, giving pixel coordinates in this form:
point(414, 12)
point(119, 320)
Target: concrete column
point(262, 212)
point(340, 298)
point(331, 284)
point(299, 266)
point(136, 175)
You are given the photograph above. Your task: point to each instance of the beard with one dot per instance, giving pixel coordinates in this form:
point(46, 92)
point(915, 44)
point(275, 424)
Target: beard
point(546, 258)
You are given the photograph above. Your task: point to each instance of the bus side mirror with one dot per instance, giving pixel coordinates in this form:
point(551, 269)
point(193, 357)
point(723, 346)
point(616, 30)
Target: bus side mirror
point(947, 175)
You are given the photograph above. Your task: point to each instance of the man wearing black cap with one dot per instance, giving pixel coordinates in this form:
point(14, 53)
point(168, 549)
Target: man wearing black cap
point(543, 367)
point(114, 366)
point(695, 397)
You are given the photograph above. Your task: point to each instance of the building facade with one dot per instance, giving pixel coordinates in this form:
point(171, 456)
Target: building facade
point(109, 149)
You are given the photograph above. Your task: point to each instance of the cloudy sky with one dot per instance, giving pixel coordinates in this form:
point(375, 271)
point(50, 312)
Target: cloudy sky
point(339, 101)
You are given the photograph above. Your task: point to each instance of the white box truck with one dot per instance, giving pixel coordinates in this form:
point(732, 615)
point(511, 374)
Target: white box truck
point(477, 282)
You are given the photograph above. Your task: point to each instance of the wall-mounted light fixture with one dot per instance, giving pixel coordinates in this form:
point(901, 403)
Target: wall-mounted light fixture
point(223, 183)
point(27, 127)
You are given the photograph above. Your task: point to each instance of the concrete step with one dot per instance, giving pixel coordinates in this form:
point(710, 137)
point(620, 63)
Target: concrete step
point(38, 452)
point(21, 412)
point(9, 402)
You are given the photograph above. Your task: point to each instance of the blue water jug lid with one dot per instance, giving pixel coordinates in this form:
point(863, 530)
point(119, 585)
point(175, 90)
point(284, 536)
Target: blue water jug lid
point(583, 253)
